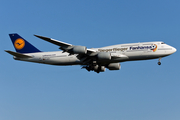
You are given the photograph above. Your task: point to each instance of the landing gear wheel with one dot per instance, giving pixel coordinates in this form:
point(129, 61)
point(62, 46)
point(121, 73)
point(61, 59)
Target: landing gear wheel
point(159, 63)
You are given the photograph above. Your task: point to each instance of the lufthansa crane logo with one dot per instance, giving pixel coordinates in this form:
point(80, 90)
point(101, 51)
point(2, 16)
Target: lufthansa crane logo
point(19, 44)
point(154, 48)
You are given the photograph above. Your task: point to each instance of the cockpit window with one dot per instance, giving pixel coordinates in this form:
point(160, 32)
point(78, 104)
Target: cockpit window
point(162, 43)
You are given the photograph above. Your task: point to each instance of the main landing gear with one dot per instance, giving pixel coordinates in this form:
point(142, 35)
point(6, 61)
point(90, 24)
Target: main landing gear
point(159, 61)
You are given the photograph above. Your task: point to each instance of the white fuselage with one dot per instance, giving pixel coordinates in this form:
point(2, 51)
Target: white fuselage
point(120, 53)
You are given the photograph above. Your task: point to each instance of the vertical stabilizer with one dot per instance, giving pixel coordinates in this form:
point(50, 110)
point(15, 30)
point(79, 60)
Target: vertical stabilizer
point(21, 45)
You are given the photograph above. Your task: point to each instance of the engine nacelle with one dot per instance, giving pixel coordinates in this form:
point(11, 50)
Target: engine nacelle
point(79, 50)
point(98, 68)
point(104, 56)
point(114, 66)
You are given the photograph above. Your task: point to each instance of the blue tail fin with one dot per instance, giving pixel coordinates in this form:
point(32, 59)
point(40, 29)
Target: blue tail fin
point(21, 45)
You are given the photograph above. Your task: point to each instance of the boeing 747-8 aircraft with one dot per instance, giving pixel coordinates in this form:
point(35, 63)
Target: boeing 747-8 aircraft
point(95, 59)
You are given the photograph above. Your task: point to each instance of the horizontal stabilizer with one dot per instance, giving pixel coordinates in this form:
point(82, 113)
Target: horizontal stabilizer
point(19, 55)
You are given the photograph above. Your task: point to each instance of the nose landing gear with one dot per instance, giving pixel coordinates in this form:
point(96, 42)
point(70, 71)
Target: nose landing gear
point(159, 61)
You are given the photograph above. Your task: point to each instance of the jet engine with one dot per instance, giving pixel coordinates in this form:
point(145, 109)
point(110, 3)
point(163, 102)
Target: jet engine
point(104, 56)
point(98, 68)
point(114, 66)
point(79, 50)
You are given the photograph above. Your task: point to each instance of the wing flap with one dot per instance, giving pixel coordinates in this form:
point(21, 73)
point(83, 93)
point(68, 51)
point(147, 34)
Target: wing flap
point(19, 55)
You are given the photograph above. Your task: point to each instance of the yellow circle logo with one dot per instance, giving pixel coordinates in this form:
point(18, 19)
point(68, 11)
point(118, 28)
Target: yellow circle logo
point(19, 43)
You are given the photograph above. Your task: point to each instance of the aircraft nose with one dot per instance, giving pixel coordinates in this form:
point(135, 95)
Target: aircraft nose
point(174, 50)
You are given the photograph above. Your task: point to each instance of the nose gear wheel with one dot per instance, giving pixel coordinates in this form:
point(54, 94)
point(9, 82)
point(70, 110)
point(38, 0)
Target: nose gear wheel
point(159, 61)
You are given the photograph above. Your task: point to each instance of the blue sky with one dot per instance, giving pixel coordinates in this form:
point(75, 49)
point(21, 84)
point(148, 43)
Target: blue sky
point(141, 90)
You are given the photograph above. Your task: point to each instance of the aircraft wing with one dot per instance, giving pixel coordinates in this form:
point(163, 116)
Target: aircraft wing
point(53, 41)
point(64, 46)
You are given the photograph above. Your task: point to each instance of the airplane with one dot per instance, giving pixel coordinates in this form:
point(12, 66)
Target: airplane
point(94, 59)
